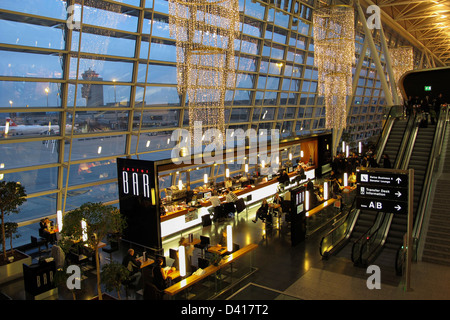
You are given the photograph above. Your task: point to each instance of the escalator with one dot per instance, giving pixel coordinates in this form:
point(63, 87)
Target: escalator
point(396, 136)
point(420, 146)
point(357, 223)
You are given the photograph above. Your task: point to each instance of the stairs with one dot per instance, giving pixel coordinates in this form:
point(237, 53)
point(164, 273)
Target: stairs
point(437, 240)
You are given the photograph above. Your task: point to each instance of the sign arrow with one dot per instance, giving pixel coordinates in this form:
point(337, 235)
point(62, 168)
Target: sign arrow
point(398, 194)
point(398, 207)
point(398, 180)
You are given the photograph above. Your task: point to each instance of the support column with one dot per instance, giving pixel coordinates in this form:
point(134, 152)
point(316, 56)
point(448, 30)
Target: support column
point(392, 79)
point(376, 58)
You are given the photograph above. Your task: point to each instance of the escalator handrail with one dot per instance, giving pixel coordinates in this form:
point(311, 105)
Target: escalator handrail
point(330, 233)
point(341, 222)
point(411, 142)
point(384, 229)
point(382, 140)
point(365, 235)
point(406, 135)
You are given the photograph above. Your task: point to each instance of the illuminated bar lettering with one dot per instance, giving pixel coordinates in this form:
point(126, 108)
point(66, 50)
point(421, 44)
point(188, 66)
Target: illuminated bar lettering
point(135, 184)
point(125, 182)
point(146, 186)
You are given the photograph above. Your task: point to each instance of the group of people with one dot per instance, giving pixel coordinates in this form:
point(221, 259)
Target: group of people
point(222, 210)
point(159, 276)
point(427, 106)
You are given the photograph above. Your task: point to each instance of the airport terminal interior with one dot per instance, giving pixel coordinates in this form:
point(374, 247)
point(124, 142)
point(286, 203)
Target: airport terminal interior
point(224, 150)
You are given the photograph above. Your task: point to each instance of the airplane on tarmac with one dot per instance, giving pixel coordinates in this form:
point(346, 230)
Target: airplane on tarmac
point(13, 129)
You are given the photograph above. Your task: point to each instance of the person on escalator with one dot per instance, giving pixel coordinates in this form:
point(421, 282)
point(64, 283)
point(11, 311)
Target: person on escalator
point(386, 161)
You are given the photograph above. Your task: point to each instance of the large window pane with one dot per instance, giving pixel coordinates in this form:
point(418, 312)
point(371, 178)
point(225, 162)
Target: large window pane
point(99, 95)
point(157, 74)
point(29, 94)
point(92, 171)
point(109, 15)
point(101, 193)
point(47, 8)
point(157, 118)
point(101, 70)
point(28, 124)
point(35, 180)
point(103, 43)
point(20, 64)
point(31, 35)
point(157, 96)
point(96, 147)
point(11, 153)
point(99, 121)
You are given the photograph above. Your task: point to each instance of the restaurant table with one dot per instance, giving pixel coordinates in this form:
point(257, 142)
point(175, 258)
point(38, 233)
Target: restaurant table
point(208, 271)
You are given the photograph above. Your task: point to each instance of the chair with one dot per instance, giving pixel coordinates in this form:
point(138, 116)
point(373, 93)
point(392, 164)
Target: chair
point(37, 243)
point(240, 205)
point(112, 247)
point(206, 220)
point(151, 292)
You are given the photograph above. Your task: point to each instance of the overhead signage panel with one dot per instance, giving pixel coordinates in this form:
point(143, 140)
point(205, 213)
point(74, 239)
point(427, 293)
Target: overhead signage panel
point(397, 207)
point(381, 192)
point(383, 179)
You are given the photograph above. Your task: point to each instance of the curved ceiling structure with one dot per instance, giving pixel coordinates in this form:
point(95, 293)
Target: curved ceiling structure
point(425, 23)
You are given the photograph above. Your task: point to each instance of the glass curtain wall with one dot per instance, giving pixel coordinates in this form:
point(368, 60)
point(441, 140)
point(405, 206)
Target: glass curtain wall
point(83, 82)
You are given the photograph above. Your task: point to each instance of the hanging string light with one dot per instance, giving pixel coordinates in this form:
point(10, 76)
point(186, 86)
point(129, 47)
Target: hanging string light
point(402, 61)
point(205, 31)
point(334, 55)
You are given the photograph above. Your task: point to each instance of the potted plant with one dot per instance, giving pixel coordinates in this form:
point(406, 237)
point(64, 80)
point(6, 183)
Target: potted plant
point(12, 196)
point(11, 232)
point(113, 275)
point(89, 224)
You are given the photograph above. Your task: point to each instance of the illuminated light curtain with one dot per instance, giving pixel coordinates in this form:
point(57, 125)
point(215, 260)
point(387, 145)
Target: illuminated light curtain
point(334, 55)
point(402, 59)
point(205, 32)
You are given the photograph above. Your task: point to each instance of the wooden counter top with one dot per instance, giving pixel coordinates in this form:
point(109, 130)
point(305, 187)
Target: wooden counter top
point(192, 279)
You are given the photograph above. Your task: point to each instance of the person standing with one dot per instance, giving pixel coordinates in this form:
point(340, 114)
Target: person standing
point(386, 161)
point(133, 265)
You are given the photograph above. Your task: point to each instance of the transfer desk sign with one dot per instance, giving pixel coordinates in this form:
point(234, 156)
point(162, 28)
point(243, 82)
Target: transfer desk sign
point(385, 191)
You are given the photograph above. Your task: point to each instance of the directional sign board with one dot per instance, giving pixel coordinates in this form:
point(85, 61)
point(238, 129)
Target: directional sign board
point(382, 205)
point(382, 190)
point(385, 193)
point(382, 179)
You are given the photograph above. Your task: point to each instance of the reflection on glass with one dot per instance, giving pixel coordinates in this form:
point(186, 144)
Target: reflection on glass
point(35, 180)
point(30, 94)
point(91, 171)
point(100, 193)
point(12, 152)
point(157, 96)
point(99, 121)
point(85, 148)
point(157, 118)
point(28, 124)
point(19, 64)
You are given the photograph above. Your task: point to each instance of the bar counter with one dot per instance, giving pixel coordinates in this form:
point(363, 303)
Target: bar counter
point(176, 221)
